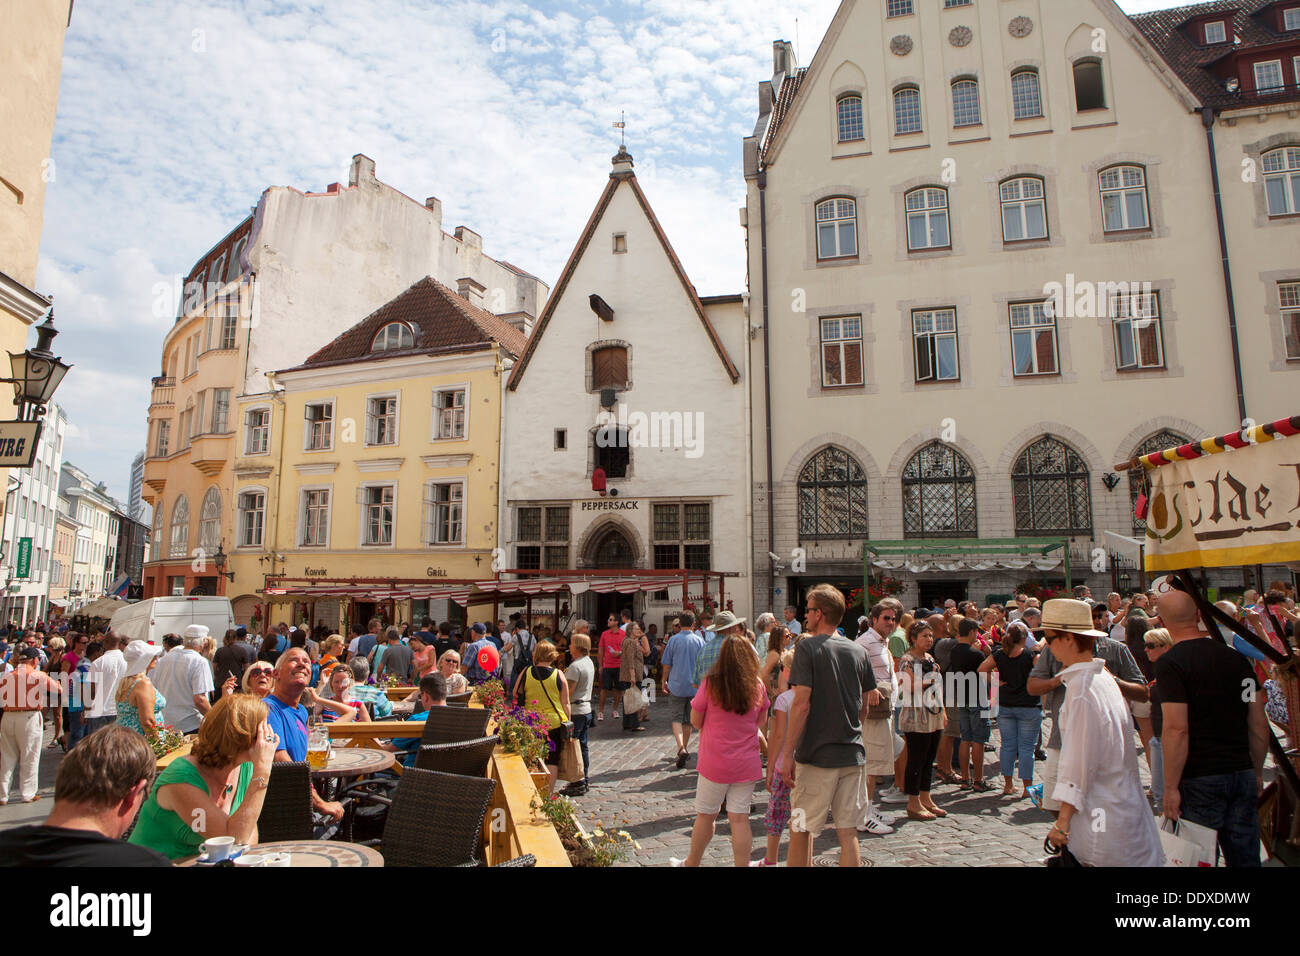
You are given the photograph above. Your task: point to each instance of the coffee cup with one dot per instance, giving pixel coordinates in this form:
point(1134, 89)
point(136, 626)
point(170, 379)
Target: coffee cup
point(219, 848)
point(251, 859)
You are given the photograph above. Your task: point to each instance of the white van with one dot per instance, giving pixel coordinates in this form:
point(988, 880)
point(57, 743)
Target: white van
point(150, 619)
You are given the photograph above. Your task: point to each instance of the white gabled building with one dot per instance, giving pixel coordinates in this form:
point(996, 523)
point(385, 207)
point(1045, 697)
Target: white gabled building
point(630, 376)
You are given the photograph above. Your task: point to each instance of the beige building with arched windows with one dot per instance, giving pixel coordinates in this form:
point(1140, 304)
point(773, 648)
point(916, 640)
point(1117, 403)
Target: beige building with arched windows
point(984, 260)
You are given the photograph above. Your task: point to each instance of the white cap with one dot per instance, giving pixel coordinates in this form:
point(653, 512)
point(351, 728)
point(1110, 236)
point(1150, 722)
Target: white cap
point(195, 631)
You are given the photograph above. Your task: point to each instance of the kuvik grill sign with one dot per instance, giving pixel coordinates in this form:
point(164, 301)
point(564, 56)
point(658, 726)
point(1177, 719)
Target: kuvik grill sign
point(1223, 510)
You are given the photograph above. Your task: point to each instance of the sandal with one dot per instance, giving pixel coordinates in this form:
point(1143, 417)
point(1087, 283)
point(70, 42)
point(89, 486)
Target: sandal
point(947, 776)
point(963, 783)
point(937, 811)
point(979, 786)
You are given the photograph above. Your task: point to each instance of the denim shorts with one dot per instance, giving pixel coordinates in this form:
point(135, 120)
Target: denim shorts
point(974, 728)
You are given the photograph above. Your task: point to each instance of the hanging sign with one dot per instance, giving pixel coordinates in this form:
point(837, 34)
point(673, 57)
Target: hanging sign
point(18, 443)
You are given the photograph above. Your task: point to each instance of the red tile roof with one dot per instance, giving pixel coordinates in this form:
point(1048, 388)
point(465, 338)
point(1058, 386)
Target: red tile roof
point(442, 321)
point(1190, 60)
point(785, 99)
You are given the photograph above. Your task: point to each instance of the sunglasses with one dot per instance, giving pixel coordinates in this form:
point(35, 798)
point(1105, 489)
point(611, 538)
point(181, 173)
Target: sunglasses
point(258, 671)
point(887, 619)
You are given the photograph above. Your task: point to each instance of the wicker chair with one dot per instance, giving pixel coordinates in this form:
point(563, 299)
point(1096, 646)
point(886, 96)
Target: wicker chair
point(459, 700)
point(286, 809)
point(435, 819)
point(453, 725)
point(527, 860)
point(469, 758)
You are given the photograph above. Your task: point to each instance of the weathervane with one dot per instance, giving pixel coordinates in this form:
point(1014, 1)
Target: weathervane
point(621, 125)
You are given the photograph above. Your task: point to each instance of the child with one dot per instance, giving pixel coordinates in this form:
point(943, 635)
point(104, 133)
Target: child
point(778, 803)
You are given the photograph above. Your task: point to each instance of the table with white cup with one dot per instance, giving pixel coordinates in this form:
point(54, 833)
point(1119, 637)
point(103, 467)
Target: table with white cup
point(285, 853)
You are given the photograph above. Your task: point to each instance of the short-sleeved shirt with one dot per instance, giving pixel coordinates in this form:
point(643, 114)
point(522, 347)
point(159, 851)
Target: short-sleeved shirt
point(376, 701)
point(290, 724)
point(964, 691)
point(729, 751)
point(795, 627)
point(231, 660)
point(838, 673)
point(709, 655)
point(897, 644)
point(61, 846)
point(581, 675)
point(396, 660)
point(611, 642)
point(943, 652)
point(180, 676)
point(1013, 674)
point(1213, 681)
point(411, 745)
point(680, 655)
point(782, 706)
point(631, 666)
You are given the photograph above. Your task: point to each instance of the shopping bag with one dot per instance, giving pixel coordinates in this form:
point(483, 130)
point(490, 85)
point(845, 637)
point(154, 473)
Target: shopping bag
point(633, 701)
point(1185, 843)
point(571, 766)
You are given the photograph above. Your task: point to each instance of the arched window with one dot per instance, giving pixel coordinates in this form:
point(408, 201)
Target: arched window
point(907, 110)
point(837, 229)
point(848, 115)
point(210, 522)
point(235, 270)
point(393, 337)
point(1089, 86)
point(1050, 489)
point(156, 546)
point(1024, 209)
point(927, 219)
point(938, 494)
point(965, 103)
point(832, 496)
point(1136, 476)
point(180, 536)
point(1026, 96)
point(1123, 198)
point(1282, 181)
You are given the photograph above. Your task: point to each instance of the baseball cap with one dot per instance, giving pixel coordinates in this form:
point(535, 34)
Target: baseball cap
point(26, 653)
point(479, 628)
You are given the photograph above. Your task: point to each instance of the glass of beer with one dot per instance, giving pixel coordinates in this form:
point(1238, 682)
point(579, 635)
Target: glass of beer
point(318, 748)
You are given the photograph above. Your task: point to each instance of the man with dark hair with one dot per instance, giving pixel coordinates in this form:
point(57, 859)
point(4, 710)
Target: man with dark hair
point(444, 641)
point(100, 786)
point(433, 693)
point(833, 689)
point(677, 680)
point(963, 686)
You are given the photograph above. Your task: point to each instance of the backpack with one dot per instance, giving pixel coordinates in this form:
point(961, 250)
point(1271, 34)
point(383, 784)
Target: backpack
point(525, 658)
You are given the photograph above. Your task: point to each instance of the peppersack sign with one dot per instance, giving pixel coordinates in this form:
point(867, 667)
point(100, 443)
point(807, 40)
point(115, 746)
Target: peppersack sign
point(1235, 508)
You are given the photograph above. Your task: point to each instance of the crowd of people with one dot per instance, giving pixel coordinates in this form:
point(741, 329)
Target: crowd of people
point(834, 721)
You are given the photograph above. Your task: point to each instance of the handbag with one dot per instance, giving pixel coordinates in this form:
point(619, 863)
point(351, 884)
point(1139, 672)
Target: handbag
point(1060, 856)
point(883, 710)
point(572, 769)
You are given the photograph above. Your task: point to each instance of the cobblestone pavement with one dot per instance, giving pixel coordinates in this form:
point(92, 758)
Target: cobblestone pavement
point(635, 786)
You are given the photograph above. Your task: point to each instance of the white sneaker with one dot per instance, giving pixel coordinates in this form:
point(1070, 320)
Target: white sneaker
point(891, 795)
point(673, 861)
point(888, 819)
point(875, 827)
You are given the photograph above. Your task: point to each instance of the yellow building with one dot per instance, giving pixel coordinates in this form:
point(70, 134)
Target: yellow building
point(366, 483)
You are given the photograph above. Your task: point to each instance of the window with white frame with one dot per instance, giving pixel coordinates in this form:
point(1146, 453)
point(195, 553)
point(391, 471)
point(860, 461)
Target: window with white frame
point(848, 116)
point(965, 103)
point(949, 4)
point(837, 229)
point(220, 410)
point(229, 324)
point(235, 270)
point(907, 110)
point(1282, 181)
point(319, 431)
point(898, 8)
point(1026, 95)
point(180, 528)
point(252, 517)
point(1124, 199)
point(1024, 209)
point(841, 341)
point(315, 521)
point(934, 333)
point(1289, 298)
point(381, 420)
point(927, 219)
point(1138, 340)
point(1291, 19)
point(682, 536)
point(1215, 32)
point(444, 512)
point(210, 521)
point(393, 337)
point(257, 431)
point(1033, 340)
point(449, 413)
point(377, 514)
point(162, 447)
point(1268, 77)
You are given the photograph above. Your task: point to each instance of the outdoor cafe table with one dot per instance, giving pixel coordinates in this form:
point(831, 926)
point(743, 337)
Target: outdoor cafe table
point(354, 762)
point(316, 853)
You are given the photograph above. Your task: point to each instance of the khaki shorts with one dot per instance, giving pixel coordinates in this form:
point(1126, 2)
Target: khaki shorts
point(1049, 780)
point(878, 739)
point(839, 791)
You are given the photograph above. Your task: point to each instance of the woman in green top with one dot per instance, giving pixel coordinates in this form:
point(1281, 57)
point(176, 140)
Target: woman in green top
point(218, 789)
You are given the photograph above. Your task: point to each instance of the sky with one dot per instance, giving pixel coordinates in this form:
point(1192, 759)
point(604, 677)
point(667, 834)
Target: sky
point(173, 118)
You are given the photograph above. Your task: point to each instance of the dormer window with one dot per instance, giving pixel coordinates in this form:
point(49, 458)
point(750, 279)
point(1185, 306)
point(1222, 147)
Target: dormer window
point(393, 337)
point(1216, 31)
point(1291, 19)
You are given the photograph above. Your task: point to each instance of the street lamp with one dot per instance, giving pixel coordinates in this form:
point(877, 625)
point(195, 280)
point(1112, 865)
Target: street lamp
point(37, 373)
point(219, 559)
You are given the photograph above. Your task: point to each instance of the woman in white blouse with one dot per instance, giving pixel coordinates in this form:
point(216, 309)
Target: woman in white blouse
point(1105, 818)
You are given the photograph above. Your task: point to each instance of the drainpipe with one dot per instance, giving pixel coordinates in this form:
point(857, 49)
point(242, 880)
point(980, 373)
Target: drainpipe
point(767, 389)
point(1208, 119)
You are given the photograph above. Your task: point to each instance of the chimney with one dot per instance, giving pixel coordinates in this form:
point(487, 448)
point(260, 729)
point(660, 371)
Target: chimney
point(471, 290)
point(362, 172)
point(783, 62)
point(434, 205)
point(622, 163)
point(469, 239)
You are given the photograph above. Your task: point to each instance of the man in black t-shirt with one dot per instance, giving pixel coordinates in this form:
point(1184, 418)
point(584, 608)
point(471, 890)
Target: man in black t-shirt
point(1215, 734)
point(100, 787)
point(962, 687)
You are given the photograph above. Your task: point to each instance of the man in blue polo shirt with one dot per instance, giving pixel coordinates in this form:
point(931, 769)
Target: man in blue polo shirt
point(678, 668)
point(433, 693)
point(288, 718)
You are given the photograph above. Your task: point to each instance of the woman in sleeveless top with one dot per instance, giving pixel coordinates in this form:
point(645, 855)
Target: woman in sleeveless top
point(542, 688)
point(139, 703)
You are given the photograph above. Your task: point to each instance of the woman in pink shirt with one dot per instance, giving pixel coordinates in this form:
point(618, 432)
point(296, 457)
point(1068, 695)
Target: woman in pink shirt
point(728, 710)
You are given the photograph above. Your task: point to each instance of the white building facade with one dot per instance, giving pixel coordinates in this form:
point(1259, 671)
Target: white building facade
point(983, 252)
point(630, 380)
point(30, 515)
point(95, 549)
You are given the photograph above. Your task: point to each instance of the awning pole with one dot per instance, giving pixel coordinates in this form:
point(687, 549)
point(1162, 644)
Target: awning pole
point(1069, 582)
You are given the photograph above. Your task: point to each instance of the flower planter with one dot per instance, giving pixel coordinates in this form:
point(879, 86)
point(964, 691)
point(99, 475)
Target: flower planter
point(541, 778)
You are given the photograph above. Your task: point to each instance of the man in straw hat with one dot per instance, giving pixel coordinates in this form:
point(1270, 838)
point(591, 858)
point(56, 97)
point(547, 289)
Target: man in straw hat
point(1045, 681)
point(1105, 819)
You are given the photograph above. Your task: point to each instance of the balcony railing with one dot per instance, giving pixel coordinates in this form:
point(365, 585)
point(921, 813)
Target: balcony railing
point(164, 392)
